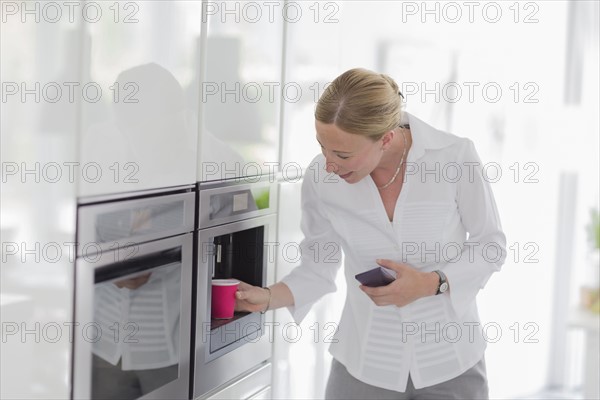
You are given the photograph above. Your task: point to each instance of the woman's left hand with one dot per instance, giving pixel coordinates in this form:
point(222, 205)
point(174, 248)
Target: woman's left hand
point(410, 285)
point(134, 283)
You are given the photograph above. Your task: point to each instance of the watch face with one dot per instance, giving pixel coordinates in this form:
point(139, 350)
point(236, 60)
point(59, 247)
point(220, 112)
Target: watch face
point(443, 287)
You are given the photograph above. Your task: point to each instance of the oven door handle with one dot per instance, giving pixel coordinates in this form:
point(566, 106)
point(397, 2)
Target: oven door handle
point(137, 264)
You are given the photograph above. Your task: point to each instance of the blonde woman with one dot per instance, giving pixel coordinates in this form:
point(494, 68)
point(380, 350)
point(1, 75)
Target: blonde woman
point(390, 190)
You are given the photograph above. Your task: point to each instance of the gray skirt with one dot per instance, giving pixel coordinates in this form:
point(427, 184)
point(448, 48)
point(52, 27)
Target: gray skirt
point(472, 384)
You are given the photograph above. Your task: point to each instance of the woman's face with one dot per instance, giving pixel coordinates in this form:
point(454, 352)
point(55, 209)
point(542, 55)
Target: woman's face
point(350, 156)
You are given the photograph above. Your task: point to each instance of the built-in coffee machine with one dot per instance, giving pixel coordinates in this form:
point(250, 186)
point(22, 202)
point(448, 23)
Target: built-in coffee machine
point(236, 240)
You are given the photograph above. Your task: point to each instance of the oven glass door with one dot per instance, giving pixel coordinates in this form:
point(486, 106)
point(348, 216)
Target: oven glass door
point(137, 342)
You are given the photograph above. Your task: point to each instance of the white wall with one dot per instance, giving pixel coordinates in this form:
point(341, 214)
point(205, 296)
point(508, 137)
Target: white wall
point(527, 129)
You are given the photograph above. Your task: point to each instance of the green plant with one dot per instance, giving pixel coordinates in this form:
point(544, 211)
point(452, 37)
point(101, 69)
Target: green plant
point(593, 229)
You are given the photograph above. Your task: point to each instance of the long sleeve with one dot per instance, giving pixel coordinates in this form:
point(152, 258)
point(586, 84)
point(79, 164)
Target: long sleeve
point(320, 254)
point(485, 249)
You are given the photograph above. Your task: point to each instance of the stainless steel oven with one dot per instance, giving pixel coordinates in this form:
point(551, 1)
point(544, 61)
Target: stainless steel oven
point(133, 297)
point(236, 239)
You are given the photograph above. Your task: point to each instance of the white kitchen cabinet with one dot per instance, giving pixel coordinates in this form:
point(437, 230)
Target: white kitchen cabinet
point(255, 385)
point(240, 89)
point(140, 121)
point(37, 221)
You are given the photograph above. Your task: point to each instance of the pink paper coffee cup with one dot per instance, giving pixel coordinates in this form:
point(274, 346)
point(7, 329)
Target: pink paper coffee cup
point(223, 298)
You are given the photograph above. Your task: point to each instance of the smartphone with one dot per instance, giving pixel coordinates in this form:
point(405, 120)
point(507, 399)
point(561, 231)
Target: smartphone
point(378, 276)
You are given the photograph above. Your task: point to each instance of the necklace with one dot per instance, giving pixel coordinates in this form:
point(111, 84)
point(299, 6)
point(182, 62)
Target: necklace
point(399, 165)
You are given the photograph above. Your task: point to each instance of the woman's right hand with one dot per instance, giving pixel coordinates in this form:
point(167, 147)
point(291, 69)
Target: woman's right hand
point(251, 298)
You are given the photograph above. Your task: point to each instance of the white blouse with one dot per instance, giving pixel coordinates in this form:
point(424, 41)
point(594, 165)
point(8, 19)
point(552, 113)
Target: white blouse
point(140, 326)
point(445, 218)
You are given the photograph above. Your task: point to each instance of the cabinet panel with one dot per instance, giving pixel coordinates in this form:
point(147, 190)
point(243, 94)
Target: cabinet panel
point(251, 385)
point(139, 124)
point(240, 89)
point(39, 47)
point(264, 394)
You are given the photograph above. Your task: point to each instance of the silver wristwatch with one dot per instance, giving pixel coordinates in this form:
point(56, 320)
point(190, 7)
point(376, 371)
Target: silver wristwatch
point(443, 284)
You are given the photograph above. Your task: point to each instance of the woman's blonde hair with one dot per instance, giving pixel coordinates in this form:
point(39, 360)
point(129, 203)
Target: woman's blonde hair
point(361, 102)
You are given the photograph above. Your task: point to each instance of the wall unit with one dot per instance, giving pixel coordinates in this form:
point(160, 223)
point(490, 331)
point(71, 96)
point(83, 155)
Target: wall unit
point(240, 90)
point(140, 131)
point(38, 198)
